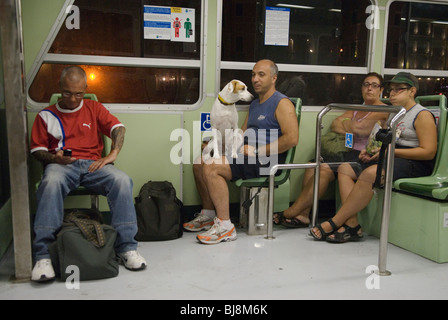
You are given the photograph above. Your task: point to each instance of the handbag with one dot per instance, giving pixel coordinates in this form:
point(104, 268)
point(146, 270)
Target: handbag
point(332, 146)
point(86, 243)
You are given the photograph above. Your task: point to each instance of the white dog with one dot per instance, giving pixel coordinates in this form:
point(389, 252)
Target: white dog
point(224, 120)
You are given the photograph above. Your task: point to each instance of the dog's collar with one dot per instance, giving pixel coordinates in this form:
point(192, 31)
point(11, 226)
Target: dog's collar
point(224, 102)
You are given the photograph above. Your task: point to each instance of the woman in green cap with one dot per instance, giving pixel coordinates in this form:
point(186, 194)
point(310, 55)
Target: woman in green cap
point(416, 147)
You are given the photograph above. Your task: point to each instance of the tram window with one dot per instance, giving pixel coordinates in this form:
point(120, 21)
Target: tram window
point(313, 88)
point(124, 84)
point(417, 36)
point(321, 32)
point(115, 28)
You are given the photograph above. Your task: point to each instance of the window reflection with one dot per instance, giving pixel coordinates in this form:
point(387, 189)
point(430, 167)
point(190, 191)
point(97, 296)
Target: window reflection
point(417, 36)
point(125, 84)
point(315, 89)
point(321, 32)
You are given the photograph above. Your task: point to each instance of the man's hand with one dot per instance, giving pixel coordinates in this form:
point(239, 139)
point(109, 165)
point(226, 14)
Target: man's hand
point(248, 150)
point(98, 164)
point(61, 159)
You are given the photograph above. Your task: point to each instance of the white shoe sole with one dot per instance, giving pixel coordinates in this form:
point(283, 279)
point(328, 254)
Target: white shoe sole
point(206, 228)
point(224, 239)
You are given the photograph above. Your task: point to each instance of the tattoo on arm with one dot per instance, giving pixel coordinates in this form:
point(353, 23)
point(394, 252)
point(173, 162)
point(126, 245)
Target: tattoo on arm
point(118, 138)
point(44, 156)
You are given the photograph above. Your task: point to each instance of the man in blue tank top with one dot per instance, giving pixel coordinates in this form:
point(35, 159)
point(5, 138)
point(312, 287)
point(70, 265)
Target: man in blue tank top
point(270, 129)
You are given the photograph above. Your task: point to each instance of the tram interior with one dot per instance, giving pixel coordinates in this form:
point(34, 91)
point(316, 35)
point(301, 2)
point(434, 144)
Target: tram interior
point(156, 87)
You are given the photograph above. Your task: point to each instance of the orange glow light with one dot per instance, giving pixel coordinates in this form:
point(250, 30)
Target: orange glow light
point(92, 76)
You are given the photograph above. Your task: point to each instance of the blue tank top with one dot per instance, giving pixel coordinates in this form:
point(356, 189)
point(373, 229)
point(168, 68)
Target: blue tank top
point(262, 126)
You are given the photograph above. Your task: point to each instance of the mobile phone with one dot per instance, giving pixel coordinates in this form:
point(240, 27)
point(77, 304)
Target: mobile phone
point(67, 153)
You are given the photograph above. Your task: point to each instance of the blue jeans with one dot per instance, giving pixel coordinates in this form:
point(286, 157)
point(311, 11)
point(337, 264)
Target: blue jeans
point(58, 180)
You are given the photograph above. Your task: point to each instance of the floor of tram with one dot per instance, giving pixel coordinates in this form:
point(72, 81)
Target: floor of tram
point(291, 267)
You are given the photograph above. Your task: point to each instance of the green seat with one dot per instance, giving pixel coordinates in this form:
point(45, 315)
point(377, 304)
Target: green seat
point(263, 182)
point(436, 185)
point(81, 191)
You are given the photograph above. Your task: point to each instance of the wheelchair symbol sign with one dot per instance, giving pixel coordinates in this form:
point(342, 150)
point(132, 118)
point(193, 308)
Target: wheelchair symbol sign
point(349, 140)
point(205, 121)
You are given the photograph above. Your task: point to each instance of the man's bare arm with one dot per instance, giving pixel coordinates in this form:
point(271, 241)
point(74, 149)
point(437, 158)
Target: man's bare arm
point(118, 138)
point(46, 157)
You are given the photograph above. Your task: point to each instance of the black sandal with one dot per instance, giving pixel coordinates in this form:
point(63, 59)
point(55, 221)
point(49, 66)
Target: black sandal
point(324, 234)
point(280, 218)
point(293, 223)
point(349, 234)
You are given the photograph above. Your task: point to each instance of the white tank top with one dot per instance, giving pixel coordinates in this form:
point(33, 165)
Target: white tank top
point(407, 136)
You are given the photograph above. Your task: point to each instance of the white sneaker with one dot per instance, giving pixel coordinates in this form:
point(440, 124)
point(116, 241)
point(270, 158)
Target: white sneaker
point(217, 233)
point(43, 271)
point(132, 260)
point(200, 222)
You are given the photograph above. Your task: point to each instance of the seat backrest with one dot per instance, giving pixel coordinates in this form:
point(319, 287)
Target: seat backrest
point(437, 104)
point(284, 175)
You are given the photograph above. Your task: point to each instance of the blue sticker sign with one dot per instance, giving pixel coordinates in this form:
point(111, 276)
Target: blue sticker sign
point(205, 121)
point(349, 140)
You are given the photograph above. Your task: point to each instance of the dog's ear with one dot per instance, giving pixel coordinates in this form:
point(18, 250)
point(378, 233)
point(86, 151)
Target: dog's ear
point(230, 87)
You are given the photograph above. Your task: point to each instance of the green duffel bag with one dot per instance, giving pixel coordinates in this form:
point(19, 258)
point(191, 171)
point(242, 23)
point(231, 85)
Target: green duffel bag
point(86, 244)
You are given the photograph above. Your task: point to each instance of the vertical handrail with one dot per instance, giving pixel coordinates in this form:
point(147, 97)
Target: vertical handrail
point(12, 47)
point(384, 235)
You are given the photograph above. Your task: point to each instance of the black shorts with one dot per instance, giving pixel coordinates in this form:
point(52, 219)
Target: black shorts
point(245, 167)
point(352, 157)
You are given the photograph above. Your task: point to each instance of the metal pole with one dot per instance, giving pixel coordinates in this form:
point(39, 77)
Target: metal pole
point(14, 73)
point(384, 235)
point(399, 113)
point(317, 168)
point(271, 189)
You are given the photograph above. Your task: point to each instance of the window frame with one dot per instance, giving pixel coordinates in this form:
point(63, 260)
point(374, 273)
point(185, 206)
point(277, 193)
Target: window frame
point(114, 61)
point(416, 72)
point(230, 65)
